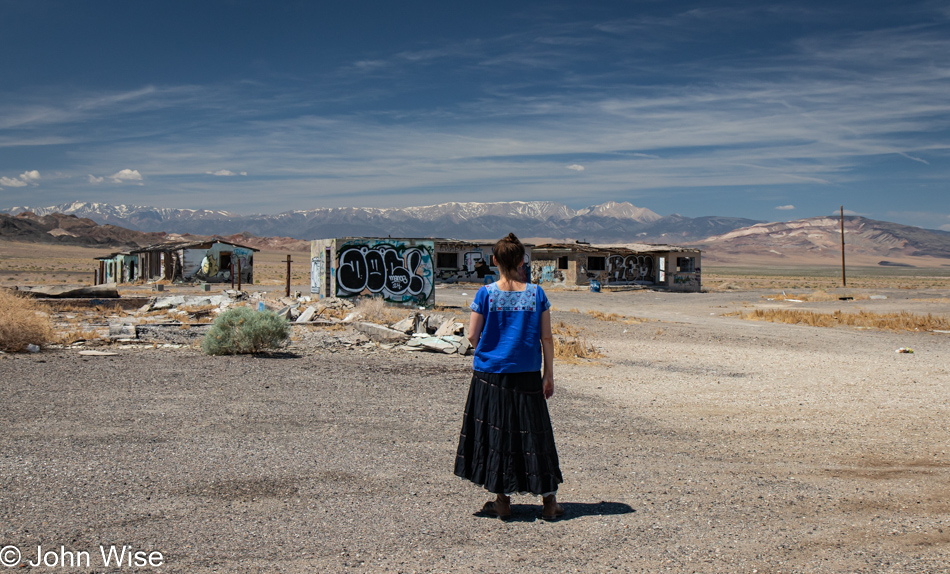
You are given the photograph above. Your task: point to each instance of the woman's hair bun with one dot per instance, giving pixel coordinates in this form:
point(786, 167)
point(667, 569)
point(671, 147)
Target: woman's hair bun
point(512, 238)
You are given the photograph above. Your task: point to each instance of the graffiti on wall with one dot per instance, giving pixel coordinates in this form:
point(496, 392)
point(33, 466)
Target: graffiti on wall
point(547, 272)
point(684, 279)
point(476, 266)
point(316, 273)
point(630, 268)
point(220, 261)
point(397, 272)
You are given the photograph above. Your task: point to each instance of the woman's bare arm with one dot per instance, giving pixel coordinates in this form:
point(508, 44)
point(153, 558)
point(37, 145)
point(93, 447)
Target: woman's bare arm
point(475, 324)
point(547, 347)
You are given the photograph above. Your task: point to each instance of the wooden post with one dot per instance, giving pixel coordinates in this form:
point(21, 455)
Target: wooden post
point(232, 275)
point(239, 274)
point(288, 275)
point(844, 280)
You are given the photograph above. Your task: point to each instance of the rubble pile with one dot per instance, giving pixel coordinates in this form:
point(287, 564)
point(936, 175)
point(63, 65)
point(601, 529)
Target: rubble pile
point(433, 333)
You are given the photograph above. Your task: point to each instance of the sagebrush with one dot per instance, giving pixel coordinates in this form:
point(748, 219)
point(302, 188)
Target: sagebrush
point(243, 330)
point(22, 322)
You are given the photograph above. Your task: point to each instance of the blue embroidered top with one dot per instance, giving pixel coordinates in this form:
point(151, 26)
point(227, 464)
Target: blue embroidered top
point(511, 337)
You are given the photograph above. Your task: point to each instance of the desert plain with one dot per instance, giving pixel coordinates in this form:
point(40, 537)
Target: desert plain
point(698, 441)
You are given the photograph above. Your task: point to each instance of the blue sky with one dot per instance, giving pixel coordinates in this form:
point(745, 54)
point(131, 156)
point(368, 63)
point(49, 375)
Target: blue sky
point(771, 111)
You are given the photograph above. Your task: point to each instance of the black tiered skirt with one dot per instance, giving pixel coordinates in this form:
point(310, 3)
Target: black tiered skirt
point(507, 443)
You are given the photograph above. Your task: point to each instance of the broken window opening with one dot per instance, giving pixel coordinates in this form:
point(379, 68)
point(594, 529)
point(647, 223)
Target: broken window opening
point(596, 263)
point(685, 264)
point(562, 262)
point(448, 260)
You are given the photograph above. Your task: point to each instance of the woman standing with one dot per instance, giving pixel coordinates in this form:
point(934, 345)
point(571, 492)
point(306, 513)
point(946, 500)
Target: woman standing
point(507, 443)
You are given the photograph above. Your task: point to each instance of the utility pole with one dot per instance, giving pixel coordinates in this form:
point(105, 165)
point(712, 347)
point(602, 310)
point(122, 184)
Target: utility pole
point(844, 280)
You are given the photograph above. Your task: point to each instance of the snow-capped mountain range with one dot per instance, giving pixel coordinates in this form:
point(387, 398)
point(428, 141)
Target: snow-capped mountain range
point(610, 221)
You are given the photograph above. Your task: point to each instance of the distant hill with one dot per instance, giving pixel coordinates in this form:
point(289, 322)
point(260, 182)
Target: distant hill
point(817, 240)
point(56, 228)
point(607, 222)
point(60, 229)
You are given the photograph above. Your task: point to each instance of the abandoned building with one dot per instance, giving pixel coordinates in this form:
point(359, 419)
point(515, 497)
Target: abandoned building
point(406, 270)
point(467, 261)
point(577, 264)
point(210, 261)
point(399, 270)
point(116, 268)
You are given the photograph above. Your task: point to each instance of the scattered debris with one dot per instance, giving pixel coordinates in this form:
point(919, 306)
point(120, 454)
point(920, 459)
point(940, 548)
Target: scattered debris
point(904, 350)
point(97, 354)
point(33, 348)
point(380, 333)
point(105, 291)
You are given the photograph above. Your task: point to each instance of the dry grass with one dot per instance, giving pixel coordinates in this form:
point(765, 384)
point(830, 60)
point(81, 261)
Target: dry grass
point(376, 310)
point(902, 321)
point(22, 322)
point(817, 295)
point(601, 316)
point(570, 349)
point(562, 328)
point(570, 344)
point(76, 334)
point(197, 314)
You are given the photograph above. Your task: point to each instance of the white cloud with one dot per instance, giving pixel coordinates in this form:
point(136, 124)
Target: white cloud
point(576, 167)
point(24, 179)
point(126, 175)
point(94, 179)
point(243, 173)
point(945, 227)
point(785, 207)
point(30, 176)
point(12, 182)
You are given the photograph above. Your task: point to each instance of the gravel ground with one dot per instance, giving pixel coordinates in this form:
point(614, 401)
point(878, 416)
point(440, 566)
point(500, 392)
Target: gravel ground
point(699, 443)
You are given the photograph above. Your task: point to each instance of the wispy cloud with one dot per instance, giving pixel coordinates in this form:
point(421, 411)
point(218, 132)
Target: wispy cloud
point(225, 173)
point(12, 182)
point(784, 207)
point(576, 167)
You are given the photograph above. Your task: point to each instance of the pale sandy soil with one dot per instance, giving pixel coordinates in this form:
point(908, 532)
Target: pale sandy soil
point(700, 442)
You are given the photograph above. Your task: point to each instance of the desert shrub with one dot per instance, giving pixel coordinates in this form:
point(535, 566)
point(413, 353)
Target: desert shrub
point(22, 322)
point(244, 330)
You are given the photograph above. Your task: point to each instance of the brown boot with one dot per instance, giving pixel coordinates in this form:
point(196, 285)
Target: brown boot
point(500, 507)
point(551, 509)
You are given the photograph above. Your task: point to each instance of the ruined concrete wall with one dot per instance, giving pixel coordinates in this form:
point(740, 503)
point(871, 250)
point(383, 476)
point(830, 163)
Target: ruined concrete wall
point(399, 271)
point(215, 263)
point(545, 272)
point(631, 269)
point(323, 267)
point(684, 271)
point(473, 263)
